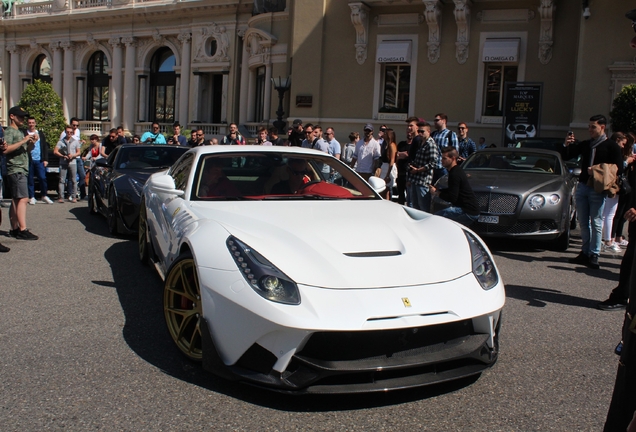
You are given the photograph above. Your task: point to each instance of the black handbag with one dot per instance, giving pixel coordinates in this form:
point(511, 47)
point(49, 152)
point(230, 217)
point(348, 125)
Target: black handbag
point(623, 183)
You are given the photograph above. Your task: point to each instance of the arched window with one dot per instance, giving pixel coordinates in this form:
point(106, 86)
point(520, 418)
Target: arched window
point(162, 86)
point(42, 69)
point(97, 88)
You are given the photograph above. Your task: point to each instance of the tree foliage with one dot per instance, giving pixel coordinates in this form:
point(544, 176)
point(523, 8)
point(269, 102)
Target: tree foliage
point(623, 114)
point(40, 101)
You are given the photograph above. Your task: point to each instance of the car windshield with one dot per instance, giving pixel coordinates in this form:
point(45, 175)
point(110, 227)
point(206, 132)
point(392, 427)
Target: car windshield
point(554, 144)
point(276, 176)
point(148, 158)
point(513, 160)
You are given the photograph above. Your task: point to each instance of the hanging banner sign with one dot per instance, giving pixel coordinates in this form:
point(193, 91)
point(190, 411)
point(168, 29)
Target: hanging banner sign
point(522, 112)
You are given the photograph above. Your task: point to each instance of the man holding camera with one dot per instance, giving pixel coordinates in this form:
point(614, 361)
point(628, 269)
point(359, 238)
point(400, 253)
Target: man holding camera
point(153, 137)
point(177, 138)
point(16, 148)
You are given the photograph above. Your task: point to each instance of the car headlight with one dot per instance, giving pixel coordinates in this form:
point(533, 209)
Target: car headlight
point(264, 278)
point(483, 265)
point(554, 199)
point(536, 202)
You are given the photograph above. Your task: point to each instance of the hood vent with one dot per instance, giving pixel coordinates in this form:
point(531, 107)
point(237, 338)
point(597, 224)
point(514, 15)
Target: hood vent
point(372, 254)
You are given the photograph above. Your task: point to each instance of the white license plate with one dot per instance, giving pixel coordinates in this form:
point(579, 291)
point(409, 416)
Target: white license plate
point(52, 170)
point(488, 219)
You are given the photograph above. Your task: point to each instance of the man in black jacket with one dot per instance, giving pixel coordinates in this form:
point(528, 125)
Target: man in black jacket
point(589, 203)
point(38, 160)
point(464, 207)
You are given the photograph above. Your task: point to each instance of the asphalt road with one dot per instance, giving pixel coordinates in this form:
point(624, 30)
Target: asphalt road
point(83, 346)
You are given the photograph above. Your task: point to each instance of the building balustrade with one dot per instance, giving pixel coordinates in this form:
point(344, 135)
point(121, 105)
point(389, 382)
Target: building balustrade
point(55, 6)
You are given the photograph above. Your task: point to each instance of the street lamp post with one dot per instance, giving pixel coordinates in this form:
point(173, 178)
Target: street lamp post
point(281, 85)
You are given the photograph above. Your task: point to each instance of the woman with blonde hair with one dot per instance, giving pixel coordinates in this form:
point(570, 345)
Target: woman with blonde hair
point(388, 170)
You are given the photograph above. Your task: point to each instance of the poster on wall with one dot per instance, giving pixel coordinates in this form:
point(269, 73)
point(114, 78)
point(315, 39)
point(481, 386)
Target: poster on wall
point(522, 112)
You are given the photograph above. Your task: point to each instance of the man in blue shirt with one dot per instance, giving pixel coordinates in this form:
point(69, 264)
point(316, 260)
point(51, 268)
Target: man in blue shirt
point(177, 138)
point(38, 161)
point(443, 137)
point(466, 146)
point(153, 137)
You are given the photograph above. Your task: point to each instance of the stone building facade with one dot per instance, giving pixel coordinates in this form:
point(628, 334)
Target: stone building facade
point(210, 62)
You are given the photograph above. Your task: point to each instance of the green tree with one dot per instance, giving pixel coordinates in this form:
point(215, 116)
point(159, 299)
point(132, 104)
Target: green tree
point(40, 101)
point(623, 114)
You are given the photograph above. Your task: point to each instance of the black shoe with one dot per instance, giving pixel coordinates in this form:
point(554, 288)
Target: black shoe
point(611, 305)
point(580, 259)
point(3, 248)
point(26, 235)
point(14, 232)
point(593, 262)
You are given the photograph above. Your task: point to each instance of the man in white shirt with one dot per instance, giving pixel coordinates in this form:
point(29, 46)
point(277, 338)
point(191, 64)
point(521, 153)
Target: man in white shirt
point(81, 172)
point(366, 154)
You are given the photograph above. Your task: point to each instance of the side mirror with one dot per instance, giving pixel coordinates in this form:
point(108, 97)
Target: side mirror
point(102, 162)
point(377, 184)
point(164, 184)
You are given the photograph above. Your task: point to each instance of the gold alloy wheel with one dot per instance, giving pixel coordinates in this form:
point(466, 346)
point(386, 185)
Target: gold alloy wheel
point(182, 307)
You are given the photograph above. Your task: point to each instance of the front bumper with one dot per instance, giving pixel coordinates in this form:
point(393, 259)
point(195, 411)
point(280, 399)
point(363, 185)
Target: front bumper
point(349, 341)
point(346, 362)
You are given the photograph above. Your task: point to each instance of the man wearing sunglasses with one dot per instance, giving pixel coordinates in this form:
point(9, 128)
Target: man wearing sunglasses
point(443, 137)
point(153, 136)
point(81, 172)
point(466, 146)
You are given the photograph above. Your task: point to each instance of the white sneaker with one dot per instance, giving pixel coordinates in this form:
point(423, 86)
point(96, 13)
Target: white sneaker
point(615, 247)
point(47, 200)
point(623, 243)
point(32, 201)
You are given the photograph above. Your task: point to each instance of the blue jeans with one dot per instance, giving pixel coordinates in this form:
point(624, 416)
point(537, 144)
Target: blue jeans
point(589, 212)
point(420, 197)
point(458, 215)
point(81, 172)
point(37, 169)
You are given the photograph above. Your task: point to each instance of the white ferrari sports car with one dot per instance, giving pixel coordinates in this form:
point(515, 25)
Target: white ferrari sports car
point(283, 268)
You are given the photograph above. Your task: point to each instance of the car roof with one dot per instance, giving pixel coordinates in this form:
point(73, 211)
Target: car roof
point(528, 150)
point(214, 149)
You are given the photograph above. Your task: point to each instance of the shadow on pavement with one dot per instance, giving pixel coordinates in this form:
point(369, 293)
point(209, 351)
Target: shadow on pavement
point(540, 297)
point(139, 289)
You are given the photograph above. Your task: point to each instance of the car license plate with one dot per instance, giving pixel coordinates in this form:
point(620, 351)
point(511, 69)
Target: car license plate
point(488, 219)
point(53, 170)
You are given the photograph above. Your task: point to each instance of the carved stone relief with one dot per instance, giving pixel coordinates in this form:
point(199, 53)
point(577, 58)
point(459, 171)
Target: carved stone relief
point(360, 21)
point(211, 36)
point(546, 12)
point(462, 18)
point(433, 15)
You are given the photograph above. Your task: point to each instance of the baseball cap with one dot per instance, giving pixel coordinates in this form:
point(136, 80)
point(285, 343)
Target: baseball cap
point(17, 111)
point(368, 126)
point(297, 122)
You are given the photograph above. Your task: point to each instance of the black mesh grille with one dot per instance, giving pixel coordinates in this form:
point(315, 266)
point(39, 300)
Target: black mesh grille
point(340, 346)
point(519, 227)
point(497, 203)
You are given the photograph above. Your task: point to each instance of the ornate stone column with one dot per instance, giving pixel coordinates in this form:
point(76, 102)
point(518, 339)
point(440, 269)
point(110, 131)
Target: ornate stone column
point(184, 93)
point(251, 95)
point(81, 101)
point(14, 82)
point(245, 70)
point(267, 99)
point(116, 82)
point(57, 67)
point(143, 103)
point(130, 80)
point(68, 99)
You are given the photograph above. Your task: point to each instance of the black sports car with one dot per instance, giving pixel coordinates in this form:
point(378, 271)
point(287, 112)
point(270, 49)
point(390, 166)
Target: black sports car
point(116, 182)
point(523, 193)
